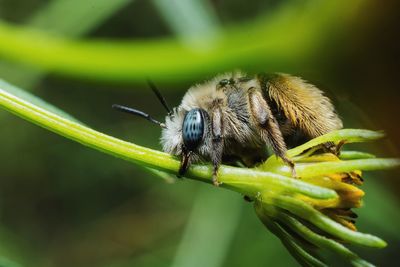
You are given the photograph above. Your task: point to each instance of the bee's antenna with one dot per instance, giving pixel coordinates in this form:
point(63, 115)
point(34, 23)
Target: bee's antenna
point(159, 96)
point(138, 113)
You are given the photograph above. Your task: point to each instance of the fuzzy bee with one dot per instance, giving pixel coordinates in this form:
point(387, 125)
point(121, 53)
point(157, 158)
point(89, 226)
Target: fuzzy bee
point(236, 117)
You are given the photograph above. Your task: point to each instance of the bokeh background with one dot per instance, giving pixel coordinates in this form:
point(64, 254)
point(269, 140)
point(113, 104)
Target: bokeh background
point(62, 204)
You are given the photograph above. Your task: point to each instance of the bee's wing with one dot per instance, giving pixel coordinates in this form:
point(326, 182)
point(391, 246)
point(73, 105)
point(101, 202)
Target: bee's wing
point(302, 103)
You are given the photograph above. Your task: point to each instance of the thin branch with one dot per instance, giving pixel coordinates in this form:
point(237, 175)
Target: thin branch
point(245, 181)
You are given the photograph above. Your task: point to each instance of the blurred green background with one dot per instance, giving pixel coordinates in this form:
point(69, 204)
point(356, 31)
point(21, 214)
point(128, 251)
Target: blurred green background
point(62, 204)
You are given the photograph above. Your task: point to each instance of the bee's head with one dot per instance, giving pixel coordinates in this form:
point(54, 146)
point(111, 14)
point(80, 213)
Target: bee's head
point(185, 131)
point(185, 135)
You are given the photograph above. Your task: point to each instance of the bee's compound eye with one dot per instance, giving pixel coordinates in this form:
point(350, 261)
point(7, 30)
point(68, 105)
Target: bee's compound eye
point(193, 129)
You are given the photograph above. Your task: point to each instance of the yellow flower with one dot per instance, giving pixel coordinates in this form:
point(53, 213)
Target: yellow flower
point(327, 223)
point(345, 184)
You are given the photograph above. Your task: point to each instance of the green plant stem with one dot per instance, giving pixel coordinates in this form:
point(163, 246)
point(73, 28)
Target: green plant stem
point(355, 155)
point(347, 135)
point(246, 181)
point(300, 254)
point(321, 241)
point(322, 168)
point(308, 235)
point(265, 44)
point(51, 18)
point(305, 211)
point(307, 170)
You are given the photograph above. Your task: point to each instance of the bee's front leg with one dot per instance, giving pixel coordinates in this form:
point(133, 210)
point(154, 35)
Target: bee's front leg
point(217, 142)
point(185, 162)
point(268, 126)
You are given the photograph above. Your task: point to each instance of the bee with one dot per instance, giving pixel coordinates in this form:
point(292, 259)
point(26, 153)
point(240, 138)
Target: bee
point(238, 117)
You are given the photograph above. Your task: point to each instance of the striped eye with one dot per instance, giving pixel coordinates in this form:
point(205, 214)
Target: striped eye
point(193, 129)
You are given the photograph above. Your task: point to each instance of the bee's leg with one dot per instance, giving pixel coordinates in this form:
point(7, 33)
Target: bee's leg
point(329, 147)
point(248, 199)
point(339, 147)
point(185, 163)
point(217, 142)
point(332, 148)
point(268, 126)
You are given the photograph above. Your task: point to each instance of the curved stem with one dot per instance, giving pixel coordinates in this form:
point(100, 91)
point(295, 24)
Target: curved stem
point(308, 170)
point(297, 251)
point(246, 181)
point(321, 241)
point(305, 211)
point(347, 135)
point(267, 43)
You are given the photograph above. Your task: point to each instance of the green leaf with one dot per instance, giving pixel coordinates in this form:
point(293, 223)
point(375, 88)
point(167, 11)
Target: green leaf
point(300, 254)
point(306, 170)
point(266, 43)
point(192, 21)
point(305, 211)
point(321, 241)
point(347, 135)
point(83, 16)
point(51, 18)
point(38, 102)
point(344, 155)
point(198, 232)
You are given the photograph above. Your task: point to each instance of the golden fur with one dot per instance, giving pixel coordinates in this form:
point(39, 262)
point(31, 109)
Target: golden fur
point(304, 104)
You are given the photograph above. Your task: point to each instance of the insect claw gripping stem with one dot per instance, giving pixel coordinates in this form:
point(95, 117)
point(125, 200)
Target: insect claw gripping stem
point(291, 165)
point(215, 181)
point(294, 174)
point(339, 147)
point(215, 178)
